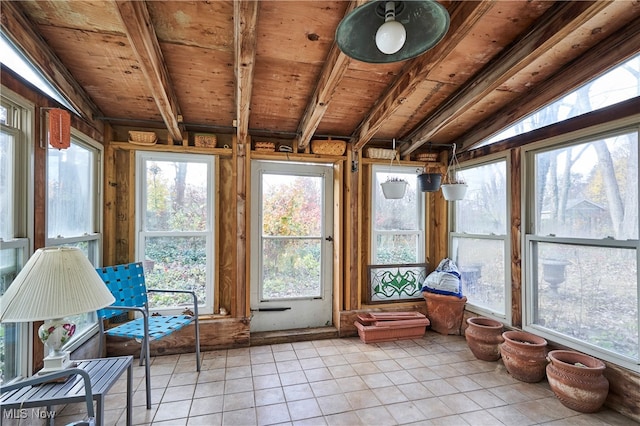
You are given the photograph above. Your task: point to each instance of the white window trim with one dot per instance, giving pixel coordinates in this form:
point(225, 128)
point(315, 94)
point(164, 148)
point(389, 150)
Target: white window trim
point(506, 238)
point(95, 256)
point(210, 233)
point(420, 212)
point(24, 202)
point(528, 202)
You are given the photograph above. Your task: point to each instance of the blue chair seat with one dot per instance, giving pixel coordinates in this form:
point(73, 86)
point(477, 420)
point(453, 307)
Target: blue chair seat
point(159, 326)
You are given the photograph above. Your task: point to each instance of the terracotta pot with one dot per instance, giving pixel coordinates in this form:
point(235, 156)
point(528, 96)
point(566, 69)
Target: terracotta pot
point(445, 312)
point(577, 380)
point(484, 336)
point(524, 355)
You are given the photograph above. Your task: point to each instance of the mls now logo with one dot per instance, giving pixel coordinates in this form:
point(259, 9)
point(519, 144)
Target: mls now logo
point(24, 413)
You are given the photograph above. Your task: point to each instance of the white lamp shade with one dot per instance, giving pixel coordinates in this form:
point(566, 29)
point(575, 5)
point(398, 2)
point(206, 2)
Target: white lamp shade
point(56, 282)
point(390, 37)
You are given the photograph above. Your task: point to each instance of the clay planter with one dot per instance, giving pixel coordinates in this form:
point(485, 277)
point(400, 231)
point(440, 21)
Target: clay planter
point(524, 355)
point(445, 312)
point(577, 380)
point(484, 336)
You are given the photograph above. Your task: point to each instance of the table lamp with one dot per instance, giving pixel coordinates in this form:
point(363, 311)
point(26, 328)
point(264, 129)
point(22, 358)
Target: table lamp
point(56, 282)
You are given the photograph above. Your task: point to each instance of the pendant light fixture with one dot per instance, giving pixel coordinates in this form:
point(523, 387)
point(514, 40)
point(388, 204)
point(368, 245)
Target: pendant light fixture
point(392, 31)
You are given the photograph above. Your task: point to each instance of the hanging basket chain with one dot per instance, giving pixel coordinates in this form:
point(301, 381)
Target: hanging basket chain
point(453, 174)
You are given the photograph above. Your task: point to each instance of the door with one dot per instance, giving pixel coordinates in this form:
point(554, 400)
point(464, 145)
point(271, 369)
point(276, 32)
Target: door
point(291, 245)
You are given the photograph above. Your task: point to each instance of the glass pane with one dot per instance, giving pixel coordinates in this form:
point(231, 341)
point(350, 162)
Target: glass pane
point(9, 332)
point(7, 174)
point(589, 190)
point(396, 248)
point(484, 208)
point(396, 214)
point(291, 205)
point(175, 263)
point(176, 196)
point(481, 265)
point(619, 84)
point(291, 268)
point(69, 191)
point(589, 293)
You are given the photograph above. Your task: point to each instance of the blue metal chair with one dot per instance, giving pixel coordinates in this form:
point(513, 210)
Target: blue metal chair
point(127, 284)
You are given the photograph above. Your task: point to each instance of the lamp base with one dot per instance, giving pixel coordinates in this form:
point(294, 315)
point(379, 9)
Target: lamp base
point(56, 362)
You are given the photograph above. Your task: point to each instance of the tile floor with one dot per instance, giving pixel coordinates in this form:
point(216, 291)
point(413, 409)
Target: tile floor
point(430, 381)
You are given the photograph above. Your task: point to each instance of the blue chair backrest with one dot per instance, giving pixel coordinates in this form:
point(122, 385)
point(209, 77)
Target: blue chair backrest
point(126, 283)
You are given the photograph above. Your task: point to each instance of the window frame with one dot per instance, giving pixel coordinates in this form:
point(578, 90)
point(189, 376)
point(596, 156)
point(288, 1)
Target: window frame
point(211, 233)
point(93, 239)
point(530, 238)
point(20, 119)
point(505, 238)
point(420, 217)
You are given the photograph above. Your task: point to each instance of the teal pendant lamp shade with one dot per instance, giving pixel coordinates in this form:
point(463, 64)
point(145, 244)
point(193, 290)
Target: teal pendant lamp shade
point(369, 30)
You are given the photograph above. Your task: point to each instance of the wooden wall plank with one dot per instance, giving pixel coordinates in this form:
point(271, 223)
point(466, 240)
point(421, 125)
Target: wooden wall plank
point(516, 237)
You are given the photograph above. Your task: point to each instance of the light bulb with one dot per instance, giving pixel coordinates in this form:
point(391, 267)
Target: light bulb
point(390, 37)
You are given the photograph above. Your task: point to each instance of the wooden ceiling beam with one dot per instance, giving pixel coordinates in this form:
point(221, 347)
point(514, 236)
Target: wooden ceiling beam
point(334, 69)
point(20, 31)
point(463, 18)
point(603, 56)
point(144, 42)
point(553, 27)
point(245, 15)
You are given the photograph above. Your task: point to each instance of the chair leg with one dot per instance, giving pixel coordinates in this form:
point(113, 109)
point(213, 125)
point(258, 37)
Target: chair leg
point(147, 371)
point(197, 327)
point(142, 353)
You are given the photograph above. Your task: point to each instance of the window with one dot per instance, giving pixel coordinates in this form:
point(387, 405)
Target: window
point(582, 245)
point(479, 243)
point(73, 209)
point(617, 85)
point(15, 218)
point(175, 217)
point(397, 225)
point(13, 58)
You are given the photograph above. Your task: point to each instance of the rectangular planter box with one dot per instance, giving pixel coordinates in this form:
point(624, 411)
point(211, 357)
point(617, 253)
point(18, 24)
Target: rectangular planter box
point(385, 327)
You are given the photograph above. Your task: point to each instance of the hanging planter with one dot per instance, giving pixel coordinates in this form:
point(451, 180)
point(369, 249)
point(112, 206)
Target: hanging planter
point(429, 182)
point(394, 188)
point(454, 187)
point(454, 191)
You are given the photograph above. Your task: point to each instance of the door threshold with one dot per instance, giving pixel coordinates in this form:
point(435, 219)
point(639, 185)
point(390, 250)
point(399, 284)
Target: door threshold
point(293, 335)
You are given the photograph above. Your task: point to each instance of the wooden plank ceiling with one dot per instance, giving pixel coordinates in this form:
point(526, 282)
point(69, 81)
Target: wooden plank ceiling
point(271, 68)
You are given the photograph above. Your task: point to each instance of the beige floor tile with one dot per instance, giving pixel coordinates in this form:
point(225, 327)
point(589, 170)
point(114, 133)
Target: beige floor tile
point(239, 401)
point(208, 420)
point(293, 378)
point(362, 399)
point(263, 369)
point(344, 419)
point(318, 374)
point(325, 387)
point(267, 381)
point(205, 406)
point(238, 385)
point(239, 417)
point(178, 393)
point(237, 372)
point(272, 414)
point(406, 412)
point(172, 411)
point(332, 404)
point(209, 389)
point(389, 395)
point(304, 409)
point(375, 416)
point(297, 392)
point(269, 396)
